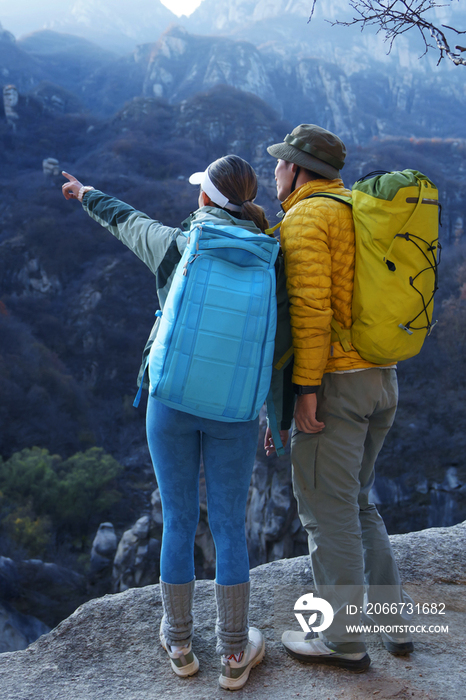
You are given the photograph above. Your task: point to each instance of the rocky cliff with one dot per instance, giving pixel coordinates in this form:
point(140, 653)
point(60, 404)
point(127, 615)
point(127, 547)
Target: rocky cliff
point(358, 95)
point(228, 16)
point(308, 87)
point(109, 647)
point(286, 27)
point(16, 66)
point(181, 65)
point(280, 24)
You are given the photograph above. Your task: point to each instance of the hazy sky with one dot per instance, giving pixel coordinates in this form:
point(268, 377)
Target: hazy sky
point(181, 7)
point(24, 16)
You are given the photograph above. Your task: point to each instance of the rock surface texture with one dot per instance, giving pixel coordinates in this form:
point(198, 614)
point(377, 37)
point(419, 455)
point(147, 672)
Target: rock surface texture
point(109, 647)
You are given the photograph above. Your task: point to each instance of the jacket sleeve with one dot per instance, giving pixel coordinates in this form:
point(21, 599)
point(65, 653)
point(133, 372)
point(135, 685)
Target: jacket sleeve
point(304, 237)
point(147, 238)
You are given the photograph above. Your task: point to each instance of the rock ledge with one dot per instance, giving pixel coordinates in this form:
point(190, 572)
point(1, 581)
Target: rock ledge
point(109, 650)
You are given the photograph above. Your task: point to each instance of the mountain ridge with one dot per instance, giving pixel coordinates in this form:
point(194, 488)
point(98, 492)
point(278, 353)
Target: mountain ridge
point(282, 24)
point(357, 105)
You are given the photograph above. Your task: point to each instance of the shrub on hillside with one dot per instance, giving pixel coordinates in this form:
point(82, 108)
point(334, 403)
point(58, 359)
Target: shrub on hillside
point(40, 490)
point(30, 532)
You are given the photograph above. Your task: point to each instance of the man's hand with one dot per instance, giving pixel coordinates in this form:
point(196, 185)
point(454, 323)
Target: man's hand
point(305, 414)
point(269, 447)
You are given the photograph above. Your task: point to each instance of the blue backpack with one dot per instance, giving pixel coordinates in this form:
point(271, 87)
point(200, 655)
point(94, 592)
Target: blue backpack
point(212, 356)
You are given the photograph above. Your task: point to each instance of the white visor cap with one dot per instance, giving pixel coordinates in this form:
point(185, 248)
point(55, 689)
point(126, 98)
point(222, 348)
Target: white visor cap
point(211, 191)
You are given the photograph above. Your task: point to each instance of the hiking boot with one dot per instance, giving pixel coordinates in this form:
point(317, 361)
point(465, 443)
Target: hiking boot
point(398, 646)
point(183, 660)
point(236, 667)
point(309, 649)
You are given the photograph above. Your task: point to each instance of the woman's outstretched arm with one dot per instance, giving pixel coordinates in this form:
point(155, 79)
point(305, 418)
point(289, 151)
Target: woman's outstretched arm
point(147, 238)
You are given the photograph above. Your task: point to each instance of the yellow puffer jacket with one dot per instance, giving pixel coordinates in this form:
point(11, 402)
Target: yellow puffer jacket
point(317, 237)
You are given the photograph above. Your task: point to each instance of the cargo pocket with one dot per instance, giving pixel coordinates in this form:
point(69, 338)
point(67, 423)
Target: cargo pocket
point(304, 453)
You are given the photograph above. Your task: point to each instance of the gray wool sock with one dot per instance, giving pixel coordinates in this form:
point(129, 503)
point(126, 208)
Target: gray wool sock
point(232, 617)
point(177, 621)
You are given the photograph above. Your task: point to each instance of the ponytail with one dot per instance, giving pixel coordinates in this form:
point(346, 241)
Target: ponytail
point(236, 179)
point(253, 212)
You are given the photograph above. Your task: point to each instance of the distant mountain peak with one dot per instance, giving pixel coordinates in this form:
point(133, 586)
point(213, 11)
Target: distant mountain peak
point(113, 24)
point(6, 36)
point(226, 15)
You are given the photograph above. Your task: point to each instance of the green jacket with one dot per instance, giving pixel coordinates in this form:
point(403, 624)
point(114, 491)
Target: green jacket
point(161, 247)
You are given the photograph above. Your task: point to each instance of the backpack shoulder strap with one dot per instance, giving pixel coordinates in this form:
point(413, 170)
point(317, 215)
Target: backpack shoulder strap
point(273, 425)
point(338, 197)
point(271, 231)
point(343, 335)
point(339, 334)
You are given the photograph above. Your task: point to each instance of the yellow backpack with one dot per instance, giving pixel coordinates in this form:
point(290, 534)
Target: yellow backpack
point(396, 217)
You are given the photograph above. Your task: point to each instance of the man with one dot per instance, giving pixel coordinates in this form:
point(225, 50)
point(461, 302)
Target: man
point(344, 408)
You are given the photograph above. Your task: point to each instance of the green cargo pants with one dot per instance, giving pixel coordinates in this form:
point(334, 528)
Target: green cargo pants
point(333, 472)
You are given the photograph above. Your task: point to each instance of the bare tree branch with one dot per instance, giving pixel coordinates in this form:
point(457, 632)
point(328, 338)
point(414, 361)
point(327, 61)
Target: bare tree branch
point(453, 29)
point(395, 17)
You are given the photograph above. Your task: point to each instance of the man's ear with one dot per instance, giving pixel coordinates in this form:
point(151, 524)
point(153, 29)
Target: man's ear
point(294, 167)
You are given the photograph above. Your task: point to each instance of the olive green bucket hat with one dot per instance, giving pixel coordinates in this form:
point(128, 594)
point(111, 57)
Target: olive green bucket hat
point(313, 148)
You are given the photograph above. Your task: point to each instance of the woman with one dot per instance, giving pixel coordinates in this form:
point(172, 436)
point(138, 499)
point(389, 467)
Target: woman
point(176, 439)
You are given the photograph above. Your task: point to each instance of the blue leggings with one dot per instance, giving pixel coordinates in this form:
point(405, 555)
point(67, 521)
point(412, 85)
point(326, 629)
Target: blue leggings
point(228, 450)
